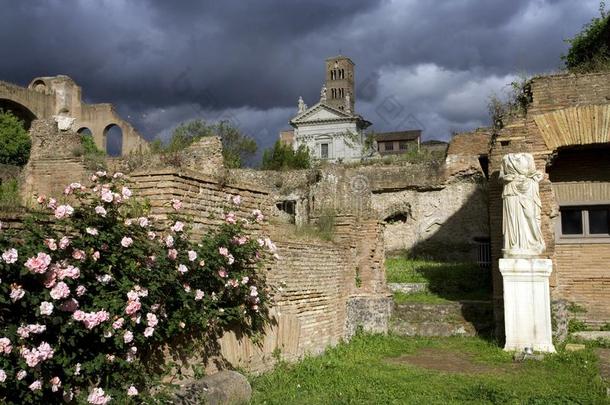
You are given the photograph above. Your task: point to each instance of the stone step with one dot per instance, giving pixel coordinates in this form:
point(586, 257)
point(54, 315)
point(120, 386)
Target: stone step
point(408, 288)
point(465, 318)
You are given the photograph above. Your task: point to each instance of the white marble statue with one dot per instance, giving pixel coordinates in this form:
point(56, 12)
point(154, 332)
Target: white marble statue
point(348, 104)
point(323, 94)
point(521, 206)
point(301, 104)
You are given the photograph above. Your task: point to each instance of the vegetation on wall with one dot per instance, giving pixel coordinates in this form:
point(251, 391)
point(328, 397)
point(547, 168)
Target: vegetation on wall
point(236, 146)
point(94, 158)
point(15, 143)
point(590, 48)
point(284, 157)
point(91, 307)
point(514, 103)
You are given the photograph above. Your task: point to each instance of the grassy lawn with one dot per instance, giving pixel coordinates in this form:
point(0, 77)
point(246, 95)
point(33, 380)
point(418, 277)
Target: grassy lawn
point(377, 369)
point(446, 281)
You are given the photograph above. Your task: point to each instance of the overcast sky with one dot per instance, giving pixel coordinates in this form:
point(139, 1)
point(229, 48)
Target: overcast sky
point(427, 64)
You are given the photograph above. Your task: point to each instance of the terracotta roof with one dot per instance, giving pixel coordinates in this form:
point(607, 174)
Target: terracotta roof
point(409, 135)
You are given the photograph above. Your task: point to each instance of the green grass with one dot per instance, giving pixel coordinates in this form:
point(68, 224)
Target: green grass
point(9, 195)
point(446, 281)
point(359, 373)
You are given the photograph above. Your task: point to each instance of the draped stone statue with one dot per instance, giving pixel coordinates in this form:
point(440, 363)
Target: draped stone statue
point(323, 94)
point(301, 104)
point(521, 206)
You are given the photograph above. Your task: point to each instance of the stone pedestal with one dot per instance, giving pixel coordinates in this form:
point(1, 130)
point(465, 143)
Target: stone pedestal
point(527, 306)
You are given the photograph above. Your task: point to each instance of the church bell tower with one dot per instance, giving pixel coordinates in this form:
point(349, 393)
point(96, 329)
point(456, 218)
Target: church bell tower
point(340, 83)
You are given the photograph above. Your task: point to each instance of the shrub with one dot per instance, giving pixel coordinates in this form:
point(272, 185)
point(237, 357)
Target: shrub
point(283, 157)
point(15, 142)
point(9, 195)
point(90, 301)
point(590, 48)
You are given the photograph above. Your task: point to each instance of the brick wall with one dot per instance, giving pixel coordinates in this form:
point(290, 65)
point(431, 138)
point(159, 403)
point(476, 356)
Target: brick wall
point(580, 271)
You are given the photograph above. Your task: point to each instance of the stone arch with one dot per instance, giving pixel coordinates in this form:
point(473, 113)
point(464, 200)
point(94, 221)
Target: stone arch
point(113, 139)
point(583, 125)
point(38, 85)
point(85, 131)
point(19, 110)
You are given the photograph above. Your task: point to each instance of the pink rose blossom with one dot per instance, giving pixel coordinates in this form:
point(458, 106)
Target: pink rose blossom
point(80, 290)
point(236, 200)
point(96, 256)
point(2, 376)
point(55, 383)
point(61, 290)
point(10, 256)
point(64, 242)
point(107, 195)
point(223, 251)
point(118, 324)
point(183, 269)
point(41, 199)
point(21, 375)
point(133, 306)
point(70, 271)
point(178, 226)
point(63, 211)
point(258, 215)
point(172, 254)
point(143, 222)
point(132, 391)
point(98, 397)
point(51, 244)
point(39, 263)
point(78, 254)
point(151, 235)
point(5, 346)
point(92, 231)
point(126, 241)
point(230, 218)
point(17, 292)
point(127, 336)
point(36, 386)
point(91, 319)
point(148, 332)
point(151, 319)
point(52, 203)
point(176, 204)
point(46, 308)
point(192, 255)
point(117, 175)
point(222, 273)
point(202, 263)
point(100, 211)
point(169, 241)
point(186, 287)
point(126, 193)
point(199, 295)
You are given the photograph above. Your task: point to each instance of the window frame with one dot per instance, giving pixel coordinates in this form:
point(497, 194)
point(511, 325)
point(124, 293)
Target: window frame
point(586, 236)
point(322, 144)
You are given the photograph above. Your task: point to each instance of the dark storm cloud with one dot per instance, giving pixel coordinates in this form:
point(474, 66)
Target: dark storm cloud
point(162, 62)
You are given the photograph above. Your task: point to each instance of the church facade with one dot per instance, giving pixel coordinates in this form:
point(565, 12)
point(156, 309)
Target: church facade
point(331, 129)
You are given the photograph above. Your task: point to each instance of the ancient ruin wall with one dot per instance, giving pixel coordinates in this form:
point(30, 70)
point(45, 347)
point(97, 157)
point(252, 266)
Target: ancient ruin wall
point(566, 110)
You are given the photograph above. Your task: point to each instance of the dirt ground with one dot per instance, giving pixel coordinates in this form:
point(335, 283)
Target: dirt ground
point(450, 362)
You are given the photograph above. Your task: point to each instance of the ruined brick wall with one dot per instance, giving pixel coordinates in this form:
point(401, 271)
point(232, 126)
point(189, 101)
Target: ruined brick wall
point(314, 280)
point(53, 161)
point(566, 111)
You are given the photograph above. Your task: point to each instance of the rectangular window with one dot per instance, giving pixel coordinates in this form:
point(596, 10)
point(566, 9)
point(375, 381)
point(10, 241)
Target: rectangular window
point(584, 222)
point(403, 145)
point(389, 146)
point(324, 150)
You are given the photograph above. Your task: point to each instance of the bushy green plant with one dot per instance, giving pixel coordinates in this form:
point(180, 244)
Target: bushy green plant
point(15, 143)
point(94, 158)
point(283, 157)
point(590, 48)
point(90, 301)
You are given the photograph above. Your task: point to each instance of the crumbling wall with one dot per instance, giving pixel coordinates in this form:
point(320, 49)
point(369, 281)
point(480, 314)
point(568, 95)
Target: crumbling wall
point(53, 161)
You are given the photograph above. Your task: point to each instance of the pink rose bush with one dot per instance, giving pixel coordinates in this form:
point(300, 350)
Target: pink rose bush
point(89, 302)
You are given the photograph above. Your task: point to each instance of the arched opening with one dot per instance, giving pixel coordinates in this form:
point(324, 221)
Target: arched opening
point(400, 216)
point(39, 86)
point(18, 110)
point(114, 140)
point(84, 131)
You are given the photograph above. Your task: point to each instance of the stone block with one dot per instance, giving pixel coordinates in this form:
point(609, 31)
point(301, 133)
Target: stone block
point(223, 388)
point(575, 347)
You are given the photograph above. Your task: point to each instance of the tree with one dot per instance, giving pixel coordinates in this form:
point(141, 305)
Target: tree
point(590, 48)
point(236, 147)
point(15, 143)
point(282, 157)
